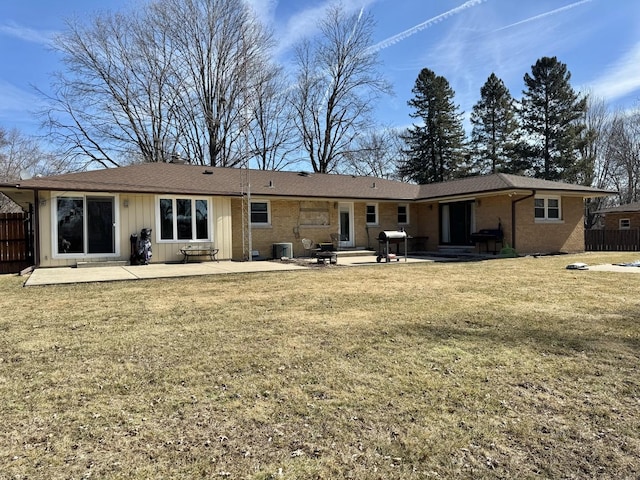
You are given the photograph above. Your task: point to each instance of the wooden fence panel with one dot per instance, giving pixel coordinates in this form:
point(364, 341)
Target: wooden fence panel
point(15, 253)
point(612, 240)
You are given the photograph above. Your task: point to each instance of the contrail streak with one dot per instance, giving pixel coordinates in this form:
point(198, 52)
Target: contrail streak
point(421, 26)
point(542, 15)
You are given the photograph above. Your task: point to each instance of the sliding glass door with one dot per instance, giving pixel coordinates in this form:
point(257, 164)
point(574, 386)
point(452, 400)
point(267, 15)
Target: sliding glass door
point(85, 225)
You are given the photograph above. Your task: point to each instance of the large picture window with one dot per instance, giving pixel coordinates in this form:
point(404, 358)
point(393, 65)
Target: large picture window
point(84, 225)
point(183, 219)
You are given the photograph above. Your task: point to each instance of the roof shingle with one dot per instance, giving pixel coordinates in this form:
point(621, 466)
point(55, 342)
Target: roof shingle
point(165, 178)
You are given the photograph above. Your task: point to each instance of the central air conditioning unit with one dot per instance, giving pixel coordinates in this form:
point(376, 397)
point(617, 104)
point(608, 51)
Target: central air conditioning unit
point(281, 250)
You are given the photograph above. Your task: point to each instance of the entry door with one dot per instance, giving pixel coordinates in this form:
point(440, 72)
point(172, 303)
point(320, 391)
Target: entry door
point(345, 224)
point(100, 225)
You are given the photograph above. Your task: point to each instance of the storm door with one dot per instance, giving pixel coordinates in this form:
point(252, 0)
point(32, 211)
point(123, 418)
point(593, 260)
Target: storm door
point(100, 225)
point(345, 225)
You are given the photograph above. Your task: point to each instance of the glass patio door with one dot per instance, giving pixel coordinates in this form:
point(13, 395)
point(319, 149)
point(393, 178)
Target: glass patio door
point(100, 225)
point(457, 222)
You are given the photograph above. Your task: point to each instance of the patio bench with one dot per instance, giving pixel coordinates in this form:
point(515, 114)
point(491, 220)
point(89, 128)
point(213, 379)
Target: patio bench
point(198, 250)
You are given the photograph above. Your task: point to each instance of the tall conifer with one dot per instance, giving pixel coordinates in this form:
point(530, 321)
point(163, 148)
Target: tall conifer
point(435, 147)
point(552, 119)
point(495, 129)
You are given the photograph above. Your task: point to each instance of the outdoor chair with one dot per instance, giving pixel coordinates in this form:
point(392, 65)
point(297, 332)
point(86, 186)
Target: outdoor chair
point(308, 245)
point(335, 239)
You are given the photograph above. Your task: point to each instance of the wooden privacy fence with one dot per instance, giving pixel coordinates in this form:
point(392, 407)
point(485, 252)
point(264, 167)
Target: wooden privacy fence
point(612, 240)
point(15, 242)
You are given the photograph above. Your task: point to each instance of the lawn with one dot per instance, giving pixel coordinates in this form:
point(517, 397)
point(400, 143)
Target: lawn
point(513, 368)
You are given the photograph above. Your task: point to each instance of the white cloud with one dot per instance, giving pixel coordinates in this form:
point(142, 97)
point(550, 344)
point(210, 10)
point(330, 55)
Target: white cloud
point(12, 29)
point(421, 26)
point(543, 15)
point(264, 9)
point(476, 45)
point(305, 23)
point(620, 79)
point(16, 102)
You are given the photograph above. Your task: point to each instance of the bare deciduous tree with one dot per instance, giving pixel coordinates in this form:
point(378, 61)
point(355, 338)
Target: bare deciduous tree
point(272, 134)
point(22, 156)
point(593, 166)
point(17, 154)
point(623, 153)
point(173, 76)
point(374, 153)
point(337, 81)
point(115, 100)
point(222, 52)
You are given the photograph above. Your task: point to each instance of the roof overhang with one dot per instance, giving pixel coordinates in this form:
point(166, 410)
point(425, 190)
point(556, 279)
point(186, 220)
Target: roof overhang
point(514, 192)
point(21, 196)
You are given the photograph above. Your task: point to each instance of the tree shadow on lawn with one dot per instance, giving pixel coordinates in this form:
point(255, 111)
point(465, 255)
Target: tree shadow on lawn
point(555, 339)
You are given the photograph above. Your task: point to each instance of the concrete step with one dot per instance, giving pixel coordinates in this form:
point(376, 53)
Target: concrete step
point(102, 263)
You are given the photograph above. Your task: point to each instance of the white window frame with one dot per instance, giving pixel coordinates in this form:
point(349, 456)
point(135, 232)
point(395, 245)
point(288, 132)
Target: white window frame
point(84, 195)
point(545, 199)
point(375, 213)
point(260, 224)
point(624, 224)
point(408, 220)
point(175, 238)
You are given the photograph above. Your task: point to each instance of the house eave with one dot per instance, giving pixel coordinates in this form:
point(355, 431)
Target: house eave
point(20, 196)
point(510, 192)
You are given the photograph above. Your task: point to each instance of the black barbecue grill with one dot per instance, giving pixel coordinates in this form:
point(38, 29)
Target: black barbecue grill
point(487, 236)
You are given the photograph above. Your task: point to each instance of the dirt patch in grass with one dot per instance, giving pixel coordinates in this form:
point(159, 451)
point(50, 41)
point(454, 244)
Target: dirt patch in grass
point(512, 368)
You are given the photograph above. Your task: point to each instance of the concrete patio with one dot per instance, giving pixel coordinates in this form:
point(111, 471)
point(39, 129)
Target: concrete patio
point(67, 275)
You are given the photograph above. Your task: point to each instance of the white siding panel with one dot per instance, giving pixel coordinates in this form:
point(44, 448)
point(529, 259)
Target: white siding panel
point(222, 226)
point(137, 211)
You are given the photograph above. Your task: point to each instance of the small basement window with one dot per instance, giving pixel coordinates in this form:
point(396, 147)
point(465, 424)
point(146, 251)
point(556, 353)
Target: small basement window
point(624, 224)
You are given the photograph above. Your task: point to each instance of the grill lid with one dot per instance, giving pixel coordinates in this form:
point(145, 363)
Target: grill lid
point(391, 234)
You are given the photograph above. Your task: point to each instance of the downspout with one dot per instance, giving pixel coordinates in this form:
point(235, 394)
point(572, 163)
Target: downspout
point(513, 217)
point(36, 228)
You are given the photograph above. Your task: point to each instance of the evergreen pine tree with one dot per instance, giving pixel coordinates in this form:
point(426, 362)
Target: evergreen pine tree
point(495, 129)
point(552, 120)
point(436, 148)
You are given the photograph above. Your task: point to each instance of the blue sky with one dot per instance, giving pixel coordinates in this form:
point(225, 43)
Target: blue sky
point(464, 41)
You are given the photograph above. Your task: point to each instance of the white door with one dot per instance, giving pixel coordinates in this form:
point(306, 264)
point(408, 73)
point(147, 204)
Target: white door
point(345, 225)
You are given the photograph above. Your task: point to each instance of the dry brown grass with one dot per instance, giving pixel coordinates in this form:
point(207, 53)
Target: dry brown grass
point(512, 368)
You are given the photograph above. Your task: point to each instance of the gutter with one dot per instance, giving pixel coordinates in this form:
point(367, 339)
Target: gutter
point(513, 216)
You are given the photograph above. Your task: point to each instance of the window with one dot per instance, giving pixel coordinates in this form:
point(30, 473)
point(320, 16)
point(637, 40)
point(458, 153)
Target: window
point(260, 214)
point(70, 223)
point(372, 214)
point(547, 209)
point(183, 219)
point(84, 225)
point(403, 214)
point(624, 224)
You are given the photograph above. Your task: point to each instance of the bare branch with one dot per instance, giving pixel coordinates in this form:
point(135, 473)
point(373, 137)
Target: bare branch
point(336, 85)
